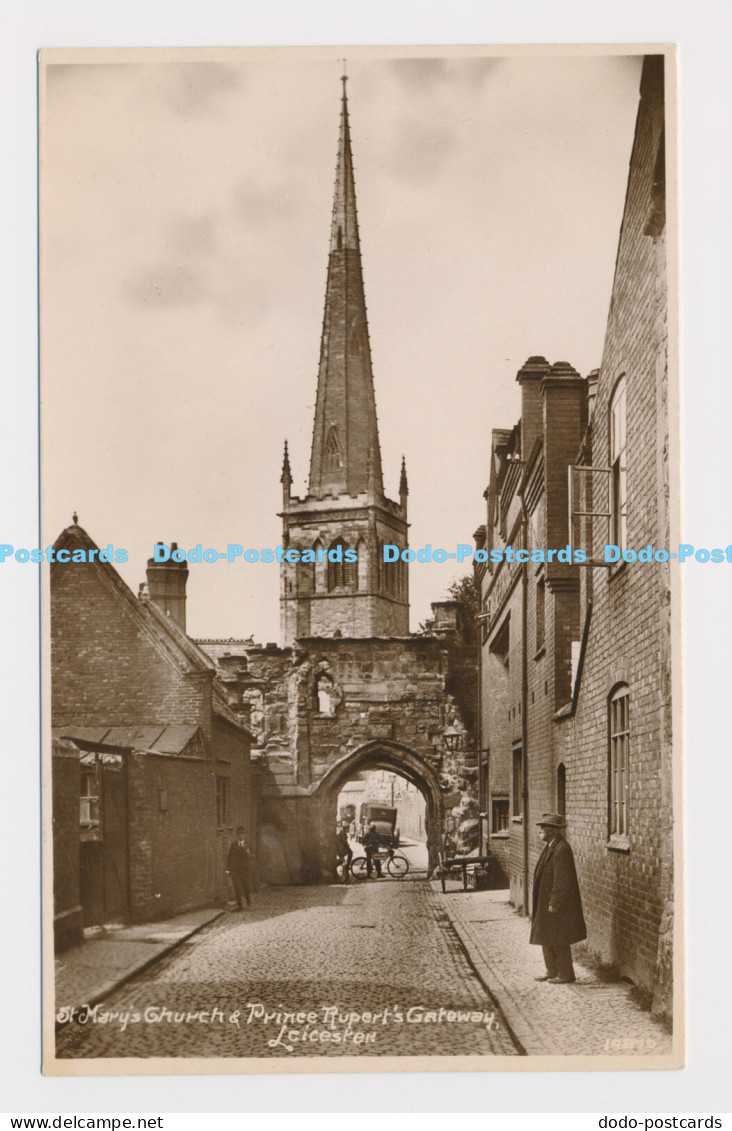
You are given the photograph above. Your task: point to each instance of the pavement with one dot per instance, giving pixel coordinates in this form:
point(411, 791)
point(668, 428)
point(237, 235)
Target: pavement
point(362, 969)
point(588, 1018)
point(382, 956)
point(110, 956)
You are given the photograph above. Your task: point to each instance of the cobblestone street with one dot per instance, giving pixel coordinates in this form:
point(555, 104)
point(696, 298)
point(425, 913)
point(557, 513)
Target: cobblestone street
point(370, 969)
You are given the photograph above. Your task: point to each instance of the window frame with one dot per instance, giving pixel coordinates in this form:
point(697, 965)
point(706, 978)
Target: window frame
point(618, 453)
point(223, 802)
point(540, 615)
point(517, 780)
point(500, 805)
point(342, 574)
point(618, 723)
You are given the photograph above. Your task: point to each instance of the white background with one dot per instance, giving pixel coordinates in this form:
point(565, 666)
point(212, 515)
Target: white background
point(702, 30)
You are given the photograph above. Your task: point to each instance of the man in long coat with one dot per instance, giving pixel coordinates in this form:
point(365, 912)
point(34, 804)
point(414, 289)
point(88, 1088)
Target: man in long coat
point(556, 920)
point(239, 867)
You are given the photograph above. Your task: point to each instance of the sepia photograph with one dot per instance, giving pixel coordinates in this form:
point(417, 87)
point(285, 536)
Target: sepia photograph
point(360, 559)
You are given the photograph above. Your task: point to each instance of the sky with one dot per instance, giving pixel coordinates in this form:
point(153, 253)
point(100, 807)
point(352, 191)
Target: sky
point(185, 219)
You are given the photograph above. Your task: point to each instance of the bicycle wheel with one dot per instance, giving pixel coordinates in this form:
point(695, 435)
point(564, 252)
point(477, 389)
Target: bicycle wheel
point(358, 868)
point(398, 866)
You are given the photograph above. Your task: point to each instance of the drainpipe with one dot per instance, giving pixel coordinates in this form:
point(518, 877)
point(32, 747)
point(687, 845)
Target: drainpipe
point(482, 791)
point(524, 704)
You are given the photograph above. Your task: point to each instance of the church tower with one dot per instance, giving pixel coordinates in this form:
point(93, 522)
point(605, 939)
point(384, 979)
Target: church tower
point(345, 508)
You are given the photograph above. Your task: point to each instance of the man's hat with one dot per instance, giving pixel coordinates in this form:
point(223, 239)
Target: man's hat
point(553, 820)
point(240, 829)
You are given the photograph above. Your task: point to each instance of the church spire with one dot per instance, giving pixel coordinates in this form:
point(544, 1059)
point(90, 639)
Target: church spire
point(345, 433)
point(286, 477)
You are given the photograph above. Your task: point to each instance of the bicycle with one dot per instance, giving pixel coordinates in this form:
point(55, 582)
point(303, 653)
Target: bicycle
point(396, 864)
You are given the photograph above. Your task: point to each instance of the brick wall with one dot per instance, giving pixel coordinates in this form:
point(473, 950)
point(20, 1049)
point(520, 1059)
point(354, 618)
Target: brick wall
point(626, 885)
point(107, 668)
point(114, 664)
point(628, 891)
point(68, 921)
point(174, 857)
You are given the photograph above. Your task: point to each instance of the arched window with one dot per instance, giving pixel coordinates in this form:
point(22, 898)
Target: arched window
point(362, 566)
point(391, 578)
point(341, 574)
point(292, 571)
point(619, 760)
point(324, 694)
point(561, 789)
point(305, 578)
point(333, 451)
point(319, 567)
point(618, 464)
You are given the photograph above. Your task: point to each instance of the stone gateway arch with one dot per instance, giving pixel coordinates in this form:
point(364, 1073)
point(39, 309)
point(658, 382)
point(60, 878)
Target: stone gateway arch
point(378, 754)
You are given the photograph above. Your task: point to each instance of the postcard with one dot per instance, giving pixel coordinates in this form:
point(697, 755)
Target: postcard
point(360, 560)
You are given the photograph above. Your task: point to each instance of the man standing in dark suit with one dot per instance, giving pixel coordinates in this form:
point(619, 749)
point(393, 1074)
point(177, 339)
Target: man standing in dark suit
point(239, 867)
point(372, 844)
point(556, 920)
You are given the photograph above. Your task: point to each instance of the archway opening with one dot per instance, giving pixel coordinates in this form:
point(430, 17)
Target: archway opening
point(387, 785)
point(395, 806)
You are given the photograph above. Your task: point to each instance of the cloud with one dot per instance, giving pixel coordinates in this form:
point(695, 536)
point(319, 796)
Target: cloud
point(194, 235)
point(170, 285)
point(422, 74)
point(261, 205)
point(196, 268)
point(420, 148)
point(191, 88)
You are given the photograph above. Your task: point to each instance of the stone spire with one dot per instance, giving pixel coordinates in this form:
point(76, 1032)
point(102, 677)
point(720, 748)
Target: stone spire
point(286, 477)
point(345, 451)
point(403, 485)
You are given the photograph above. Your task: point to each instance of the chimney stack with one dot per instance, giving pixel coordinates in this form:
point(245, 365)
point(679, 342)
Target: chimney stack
point(529, 377)
point(167, 587)
point(593, 378)
point(565, 420)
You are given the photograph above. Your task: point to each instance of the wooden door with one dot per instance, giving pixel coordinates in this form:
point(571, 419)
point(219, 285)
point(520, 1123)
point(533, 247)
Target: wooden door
point(115, 862)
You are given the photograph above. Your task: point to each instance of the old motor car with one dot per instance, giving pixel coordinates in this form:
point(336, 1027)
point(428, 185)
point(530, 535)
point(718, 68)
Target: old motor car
point(385, 820)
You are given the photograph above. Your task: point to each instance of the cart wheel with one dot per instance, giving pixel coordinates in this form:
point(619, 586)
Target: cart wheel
point(359, 868)
point(398, 866)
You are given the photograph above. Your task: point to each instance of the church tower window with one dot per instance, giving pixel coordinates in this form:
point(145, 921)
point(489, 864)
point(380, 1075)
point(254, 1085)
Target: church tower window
point(341, 574)
point(333, 452)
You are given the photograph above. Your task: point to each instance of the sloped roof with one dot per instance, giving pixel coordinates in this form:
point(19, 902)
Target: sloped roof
point(163, 739)
point(163, 630)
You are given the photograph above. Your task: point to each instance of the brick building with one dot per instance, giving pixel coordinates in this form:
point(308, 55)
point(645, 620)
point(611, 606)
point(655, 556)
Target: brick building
point(576, 672)
point(162, 774)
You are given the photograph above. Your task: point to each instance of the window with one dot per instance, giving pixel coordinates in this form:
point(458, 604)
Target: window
point(618, 465)
point(499, 815)
point(561, 790)
point(341, 574)
point(540, 614)
point(362, 566)
point(305, 578)
point(89, 799)
point(223, 802)
point(324, 695)
point(619, 727)
point(390, 576)
point(333, 453)
point(517, 782)
point(319, 568)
